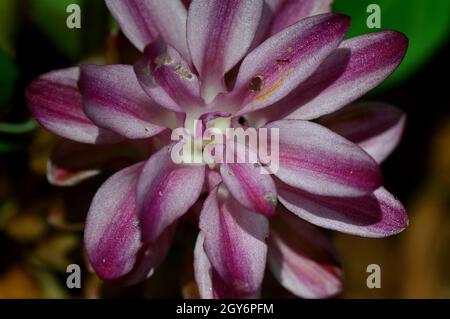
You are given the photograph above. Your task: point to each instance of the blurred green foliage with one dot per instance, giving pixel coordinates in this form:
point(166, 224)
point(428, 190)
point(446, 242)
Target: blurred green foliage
point(8, 78)
point(8, 24)
point(50, 17)
point(425, 22)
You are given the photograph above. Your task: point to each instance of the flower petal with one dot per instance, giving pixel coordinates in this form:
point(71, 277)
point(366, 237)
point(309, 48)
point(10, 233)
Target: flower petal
point(376, 215)
point(356, 67)
point(248, 185)
point(289, 12)
point(72, 163)
point(167, 78)
point(235, 243)
point(55, 101)
point(219, 34)
point(143, 20)
point(315, 159)
point(112, 235)
point(303, 259)
point(165, 192)
point(375, 127)
point(209, 283)
point(150, 257)
point(282, 62)
point(114, 99)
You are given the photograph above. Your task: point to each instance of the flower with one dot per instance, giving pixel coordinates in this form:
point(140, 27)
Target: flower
point(295, 73)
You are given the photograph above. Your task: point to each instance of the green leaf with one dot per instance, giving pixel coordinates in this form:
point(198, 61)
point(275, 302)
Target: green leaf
point(8, 77)
point(426, 23)
point(18, 128)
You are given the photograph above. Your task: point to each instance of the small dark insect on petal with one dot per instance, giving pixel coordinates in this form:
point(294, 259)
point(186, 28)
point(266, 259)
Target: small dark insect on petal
point(256, 83)
point(242, 120)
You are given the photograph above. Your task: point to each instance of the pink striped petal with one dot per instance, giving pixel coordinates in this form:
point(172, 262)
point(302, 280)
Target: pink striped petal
point(248, 185)
point(71, 163)
point(219, 34)
point(359, 65)
point(235, 243)
point(289, 12)
point(376, 127)
point(114, 99)
point(212, 179)
point(167, 78)
point(375, 215)
point(319, 161)
point(203, 270)
point(55, 101)
point(150, 257)
point(112, 234)
point(303, 259)
point(142, 21)
point(282, 62)
point(209, 283)
point(165, 192)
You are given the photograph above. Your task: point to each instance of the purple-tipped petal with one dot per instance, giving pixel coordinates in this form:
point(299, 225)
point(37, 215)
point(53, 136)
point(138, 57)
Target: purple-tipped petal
point(219, 34)
point(71, 163)
point(142, 21)
point(114, 99)
point(289, 12)
point(165, 192)
point(112, 234)
point(150, 257)
point(56, 102)
point(376, 127)
point(235, 243)
point(319, 161)
point(376, 215)
point(282, 62)
point(303, 259)
point(356, 67)
point(248, 185)
point(167, 78)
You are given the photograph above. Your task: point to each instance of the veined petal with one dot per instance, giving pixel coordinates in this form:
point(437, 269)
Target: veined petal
point(283, 61)
point(248, 185)
point(219, 34)
point(319, 161)
point(167, 78)
point(289, 12)
point(112, 235)
point(56, 102)
point(375, 127)
point(142, 21)
point(150, 257)
point(303, 259)
point(165, 192)
point(203, 270)
point(356, 67)
point(375, 215)
point(212, 179)
point(114, 99)
point(209, 283)
point(72, 163)
point(235, 243)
